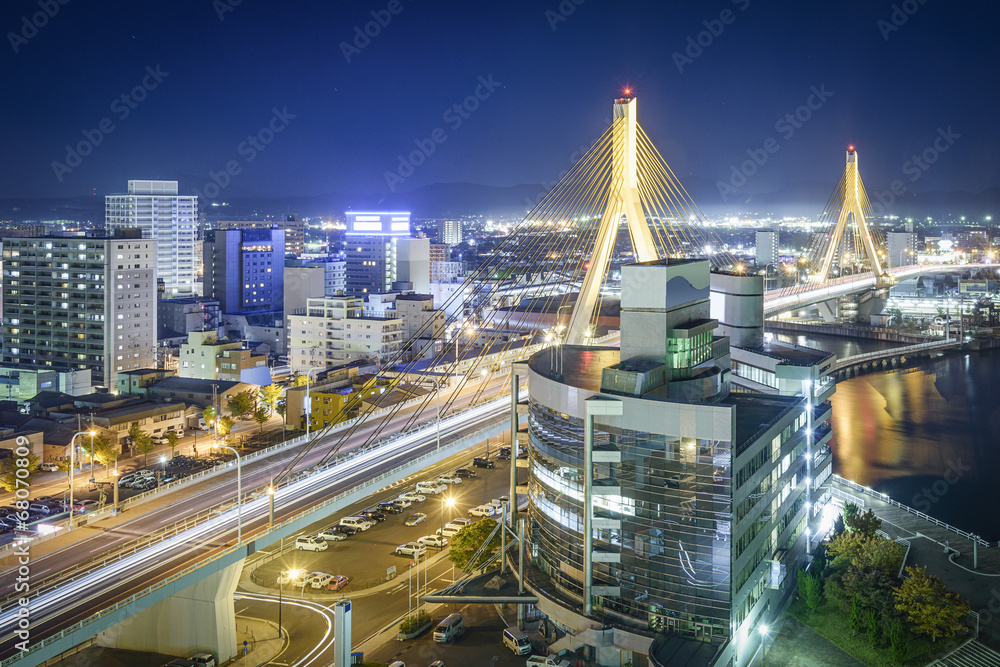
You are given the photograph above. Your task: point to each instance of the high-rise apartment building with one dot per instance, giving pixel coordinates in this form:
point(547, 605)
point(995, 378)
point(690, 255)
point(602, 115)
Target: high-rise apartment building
point(451, 232)
point(380, 253)
point(658, 501)
point(245, 269)
point(767, 246)
point(170, 219)
point(81, 302)
point(902, 247)
point(332, 330)
point(295, 239)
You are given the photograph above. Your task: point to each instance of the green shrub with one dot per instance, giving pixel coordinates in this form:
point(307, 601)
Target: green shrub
point(414, 622)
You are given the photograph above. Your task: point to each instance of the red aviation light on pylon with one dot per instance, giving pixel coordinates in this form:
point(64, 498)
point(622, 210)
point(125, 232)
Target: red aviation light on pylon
point(850, 148)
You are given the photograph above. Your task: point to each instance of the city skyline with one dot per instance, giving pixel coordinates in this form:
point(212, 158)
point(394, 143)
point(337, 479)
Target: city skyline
point(303, 101)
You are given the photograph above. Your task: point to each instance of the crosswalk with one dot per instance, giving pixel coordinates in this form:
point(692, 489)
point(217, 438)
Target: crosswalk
point(972, 654)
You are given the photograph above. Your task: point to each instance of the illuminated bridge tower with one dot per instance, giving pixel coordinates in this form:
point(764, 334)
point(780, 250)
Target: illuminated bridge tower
point(850, 203)
point(622, 199)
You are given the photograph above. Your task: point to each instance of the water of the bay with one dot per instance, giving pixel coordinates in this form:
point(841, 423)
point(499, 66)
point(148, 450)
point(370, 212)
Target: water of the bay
point(929, 436)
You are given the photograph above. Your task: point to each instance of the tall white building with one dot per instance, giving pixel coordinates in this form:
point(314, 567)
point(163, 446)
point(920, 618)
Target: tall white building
point(902, 247)
point(170, 219)
point(451, 234)
point(81, 303)
point(767, 247)
point(332, 330)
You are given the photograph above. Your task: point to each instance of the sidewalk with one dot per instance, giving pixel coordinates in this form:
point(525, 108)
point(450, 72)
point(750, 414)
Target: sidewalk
point(263, 644)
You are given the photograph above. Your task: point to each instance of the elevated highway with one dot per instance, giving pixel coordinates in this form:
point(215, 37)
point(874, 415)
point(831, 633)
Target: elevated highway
point(781, 301)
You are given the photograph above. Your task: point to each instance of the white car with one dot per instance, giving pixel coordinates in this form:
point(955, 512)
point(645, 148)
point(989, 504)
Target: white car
point(310, 544)
point(482, 510)
point(414, 497)
point(319, 579)
point(433, 541)
point(545, 661)
point(449, 479)
point(415, 518)
point(286, 578)
point(49, 467)
point(411, 549)
point(355, 522)
point(402, 503)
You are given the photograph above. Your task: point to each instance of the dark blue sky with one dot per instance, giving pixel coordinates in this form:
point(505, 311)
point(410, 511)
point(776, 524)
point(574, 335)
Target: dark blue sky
point(552, 91)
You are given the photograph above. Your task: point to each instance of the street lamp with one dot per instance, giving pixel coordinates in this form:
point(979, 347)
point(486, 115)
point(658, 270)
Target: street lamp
point(308, 404)
point(763, 643)
point(114, 480)
point(239, 495)
point(72, 457)
point(292, 576)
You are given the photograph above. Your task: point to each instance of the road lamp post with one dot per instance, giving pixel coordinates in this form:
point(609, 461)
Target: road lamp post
point(307, 407)
point(239, 494)
point(114, 480)
point(72, 457)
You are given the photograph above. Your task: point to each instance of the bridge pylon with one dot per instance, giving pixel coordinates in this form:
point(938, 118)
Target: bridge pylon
point(851, 230)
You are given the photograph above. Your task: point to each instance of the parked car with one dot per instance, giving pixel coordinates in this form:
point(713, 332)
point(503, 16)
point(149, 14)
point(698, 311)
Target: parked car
point(431, 487)
point(465, 473)
point(372, 515)
point(331, 534)
point(504, 454)
point(411, 549)
point(414, 497)
point(433, 541)
point(356, 522)
point(482, 510)
point(49, 467)
point(285, 577)
point(203, 659)
point(319, 579)
point(415, 518)
point(346, 530)
point(402, 503)
point(86, 505)
point(449, 479)
point(482, 462)
point(338, 582)
point(310, 544)
point(545, 661)
point(181, 662)
point(389, 508)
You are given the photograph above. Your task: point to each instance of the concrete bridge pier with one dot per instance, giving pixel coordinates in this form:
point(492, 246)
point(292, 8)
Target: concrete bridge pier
point(198, 618)
point(828, 310)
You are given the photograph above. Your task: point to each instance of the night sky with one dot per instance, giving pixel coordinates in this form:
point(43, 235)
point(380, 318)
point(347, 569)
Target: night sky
point(546, 73)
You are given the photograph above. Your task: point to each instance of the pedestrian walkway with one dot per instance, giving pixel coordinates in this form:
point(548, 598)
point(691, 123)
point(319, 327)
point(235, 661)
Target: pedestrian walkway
point(966, 567)
point(262, 642)
point(797, 645)
point(972, 654)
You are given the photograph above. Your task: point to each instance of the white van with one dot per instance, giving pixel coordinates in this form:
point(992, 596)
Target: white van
point(310, 544)
point(516, 641)
point(448, 629)
point(431, 487)
point(355, 522)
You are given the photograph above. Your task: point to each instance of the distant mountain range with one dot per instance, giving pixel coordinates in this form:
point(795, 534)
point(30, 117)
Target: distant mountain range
point(444, 200)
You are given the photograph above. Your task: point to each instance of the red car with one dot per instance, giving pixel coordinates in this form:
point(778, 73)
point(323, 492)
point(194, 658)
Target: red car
point(338, 582)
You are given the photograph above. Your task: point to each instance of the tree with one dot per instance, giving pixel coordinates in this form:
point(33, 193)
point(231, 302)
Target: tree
point(208, 414)
point(898, 640)
point(874, 628)
point(850, 509)
point(281, 408)
point(299, 380)
point(467, 542)
point(871, 587)
point(863, 523)
point(142, 441)
point(856, 619)
point(241, 404)
point(105, 453)
point(224, 426)
point(860, 550)
point(18, 471)
point(930, 607)
point(820, 560)
point(261, 415)
point(270, 395)
point(173, 438)
point(810, 589)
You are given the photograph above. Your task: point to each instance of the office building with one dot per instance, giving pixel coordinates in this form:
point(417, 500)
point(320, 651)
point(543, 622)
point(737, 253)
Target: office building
point(244, 269)
point(902, 247)
point(660, 502)
point(81, 303)
point(317, 276)
point(295, 240)
point(767, 247)
point(451, 232)
point(332, 330)
point(170, 219)
point(206, 356)
point(381, 256)
point(179, 316)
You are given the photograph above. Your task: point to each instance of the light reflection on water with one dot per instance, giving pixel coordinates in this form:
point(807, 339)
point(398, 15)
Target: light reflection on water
point(928, 436)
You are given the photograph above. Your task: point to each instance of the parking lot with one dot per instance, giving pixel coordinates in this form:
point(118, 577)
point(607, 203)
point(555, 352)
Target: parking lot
point(366, 556)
